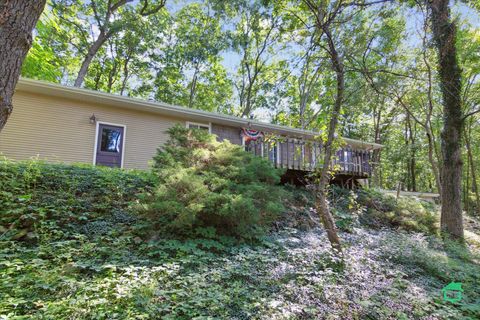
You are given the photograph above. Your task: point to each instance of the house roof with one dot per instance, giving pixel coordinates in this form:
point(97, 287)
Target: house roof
point(86, 95)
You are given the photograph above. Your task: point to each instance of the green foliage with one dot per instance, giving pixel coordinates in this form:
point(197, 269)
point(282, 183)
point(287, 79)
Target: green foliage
point(203, 183)
point(371, 208)
point(42, 202)
point(190, 70)
point(87, 258)
point(44, 60)
point(257, 57)
point(114, 278)
point(442, 261)
point(345, 207)
point(409, 214)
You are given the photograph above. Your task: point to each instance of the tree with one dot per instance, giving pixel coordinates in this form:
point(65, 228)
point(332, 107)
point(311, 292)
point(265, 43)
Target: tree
point(17, 20)
point(48, 58)
point(109, 17)
point(124, 64)
point(331, 19)
point(323, 16)
point(471, 166)
point(303, 101)
point(255, 39)
point(403, 75)
point(189, 68)
point(444, 34)
point(468, 46)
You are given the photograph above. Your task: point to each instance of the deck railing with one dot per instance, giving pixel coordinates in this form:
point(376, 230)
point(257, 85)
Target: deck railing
point(296, 154)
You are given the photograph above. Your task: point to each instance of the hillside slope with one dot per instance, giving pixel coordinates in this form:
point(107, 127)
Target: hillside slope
point(71, 247)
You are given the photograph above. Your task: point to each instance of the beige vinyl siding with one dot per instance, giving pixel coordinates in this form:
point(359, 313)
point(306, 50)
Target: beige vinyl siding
point(59, 129)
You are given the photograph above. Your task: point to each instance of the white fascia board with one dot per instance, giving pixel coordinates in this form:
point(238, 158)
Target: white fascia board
point(97, 97)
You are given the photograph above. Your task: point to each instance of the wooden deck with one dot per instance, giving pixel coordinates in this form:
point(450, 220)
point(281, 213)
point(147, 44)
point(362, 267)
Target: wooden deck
point(304, 155)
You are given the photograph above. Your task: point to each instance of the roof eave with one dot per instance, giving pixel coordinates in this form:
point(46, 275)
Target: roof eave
point(42, 87)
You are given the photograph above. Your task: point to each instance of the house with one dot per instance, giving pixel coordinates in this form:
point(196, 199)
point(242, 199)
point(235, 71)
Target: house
point(66, 124)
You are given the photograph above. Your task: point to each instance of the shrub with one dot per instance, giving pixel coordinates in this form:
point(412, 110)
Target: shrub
point(409, 214)
point(203, 183)
point(48, 201)
point(375, 209)
point(345, 207)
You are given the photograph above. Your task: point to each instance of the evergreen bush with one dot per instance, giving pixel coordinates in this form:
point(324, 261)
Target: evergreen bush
point(204, 184)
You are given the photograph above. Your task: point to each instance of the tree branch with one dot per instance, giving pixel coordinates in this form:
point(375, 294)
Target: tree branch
point(470, 114)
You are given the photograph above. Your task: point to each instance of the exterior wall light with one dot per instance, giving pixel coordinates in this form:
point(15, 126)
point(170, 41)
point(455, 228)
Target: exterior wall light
point(93, 119)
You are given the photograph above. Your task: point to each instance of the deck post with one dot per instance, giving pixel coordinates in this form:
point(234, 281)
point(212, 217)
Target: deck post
point(281, 154)
point(364, 157)
point(302, 155)
point(368, 162)
point(269, 157)
point(360, 168)
point(287, 152)
point(278, 153)
point(292, 144)
point(341, 159)
point(354, 161)
point(349, 159)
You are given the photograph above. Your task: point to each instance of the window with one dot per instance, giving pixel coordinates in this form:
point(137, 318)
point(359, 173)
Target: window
point(111, 139)
point(109, 144)
point(201, 126)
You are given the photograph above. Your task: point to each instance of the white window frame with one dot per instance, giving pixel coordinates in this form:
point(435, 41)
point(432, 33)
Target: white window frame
point(97, 128)
point(209, 125)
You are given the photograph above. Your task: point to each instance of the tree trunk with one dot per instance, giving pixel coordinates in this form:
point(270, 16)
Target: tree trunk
point(433, 163)
point(125, 75)
point(321, 194)
point(432, 148)
point(406, 178)
point(474, 175)
point(193, 88)
point(92, 51)
point(111, 76)
point(376, 156)
point(466, 202)
point(444, 32)
point(322, 206)
point(17, 20)
point(412, 162)
point(376, 169)
point(302, 108)
point(248, 103)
